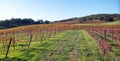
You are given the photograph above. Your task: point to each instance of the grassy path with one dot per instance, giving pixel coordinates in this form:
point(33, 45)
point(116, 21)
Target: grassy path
point(71, 46)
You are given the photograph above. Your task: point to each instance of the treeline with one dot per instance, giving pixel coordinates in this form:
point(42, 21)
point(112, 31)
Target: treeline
point(101, 17)
point(15, 22)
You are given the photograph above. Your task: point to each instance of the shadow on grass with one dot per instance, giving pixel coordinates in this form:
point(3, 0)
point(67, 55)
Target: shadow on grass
point(12, 59)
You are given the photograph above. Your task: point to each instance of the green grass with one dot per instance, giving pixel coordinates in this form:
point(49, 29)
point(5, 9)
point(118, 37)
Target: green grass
point(112, 23)
point(73, 45)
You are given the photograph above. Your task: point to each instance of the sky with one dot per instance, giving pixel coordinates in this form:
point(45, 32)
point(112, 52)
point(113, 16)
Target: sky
point(53, 10)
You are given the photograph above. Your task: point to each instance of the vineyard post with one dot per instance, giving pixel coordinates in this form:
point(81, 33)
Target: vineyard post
point(30, 40)
point(105, 34)
point(112, 34)
point(36, 36)
point(14, 39)
point(104, 50)
point(8, 48)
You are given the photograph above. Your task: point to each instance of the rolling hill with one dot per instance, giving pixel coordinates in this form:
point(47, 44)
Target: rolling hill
point(92, 19)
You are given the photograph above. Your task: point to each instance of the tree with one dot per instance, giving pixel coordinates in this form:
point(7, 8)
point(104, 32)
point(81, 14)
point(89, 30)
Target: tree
point(47, 22)
point(39, 22)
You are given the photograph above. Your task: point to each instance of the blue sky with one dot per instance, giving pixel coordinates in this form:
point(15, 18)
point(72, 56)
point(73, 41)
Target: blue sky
point(56, 9)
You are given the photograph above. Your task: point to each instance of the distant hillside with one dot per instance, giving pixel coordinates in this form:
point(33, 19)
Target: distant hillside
point(96, 18)
point(92, 22)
